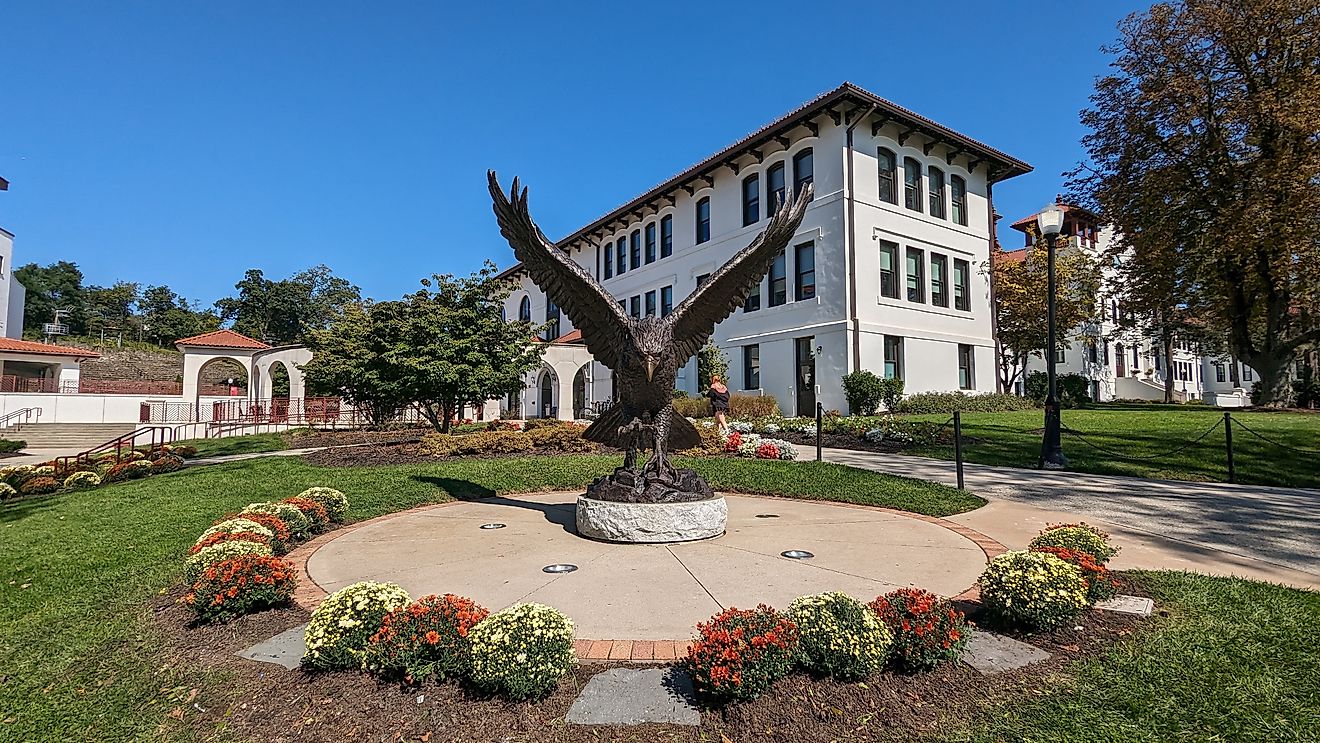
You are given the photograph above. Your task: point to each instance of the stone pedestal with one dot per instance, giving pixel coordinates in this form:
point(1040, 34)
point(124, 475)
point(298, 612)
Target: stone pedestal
point(650, 523)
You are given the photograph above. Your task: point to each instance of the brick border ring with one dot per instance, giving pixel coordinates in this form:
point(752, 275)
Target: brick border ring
point(308, 594)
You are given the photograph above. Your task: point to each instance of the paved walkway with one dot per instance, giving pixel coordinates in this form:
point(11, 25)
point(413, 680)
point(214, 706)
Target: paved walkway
point(1254, 531)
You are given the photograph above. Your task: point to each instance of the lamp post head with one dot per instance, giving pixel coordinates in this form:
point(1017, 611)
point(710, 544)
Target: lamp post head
point(1050, 220)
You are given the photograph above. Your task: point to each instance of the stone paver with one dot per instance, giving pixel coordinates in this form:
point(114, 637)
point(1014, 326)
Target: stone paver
point(990, 653)
point(1124, 604)
point(285, 649)
point(1251, 531)
point(626, 696)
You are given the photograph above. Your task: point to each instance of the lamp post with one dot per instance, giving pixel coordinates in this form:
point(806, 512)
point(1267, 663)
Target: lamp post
point(1050, 221)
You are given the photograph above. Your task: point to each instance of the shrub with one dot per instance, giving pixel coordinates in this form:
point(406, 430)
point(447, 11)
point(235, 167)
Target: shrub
point(522, 651)
point(187, 451)
point(314, 512)
point(294, 519)
point(82, 481)
point(39, 485)
point(839, 636)
point(891, 393)
point(241, 585)
point(340, 627)
point(1074, 389)
point(948, 402)
point(236, 526)
point(536, 423)
point(11, 445)
point(225, 536)
point(767, 450)
point(863, 391)
point(566, 437)
point(123, 471)
point(1033, 589)
point(739, 653)
point(1100, 585)
point(692, 407)
point(1078, 537)
point(752, 406)
point(167, 463)
point(712, 441)
point(14, 475)
point(335, 502)
point(427, 639)
point(7, 491)
point(280, 536)
point(711, 362)
point(208, 556)
point(437, 445)
point(927, 629)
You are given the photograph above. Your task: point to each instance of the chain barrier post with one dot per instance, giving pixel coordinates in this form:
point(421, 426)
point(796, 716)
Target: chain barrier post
point(820, 407)
point(957, 447)
point(1228, 445)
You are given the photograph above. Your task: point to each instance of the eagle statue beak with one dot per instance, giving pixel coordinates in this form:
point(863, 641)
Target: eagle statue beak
point(650, 369)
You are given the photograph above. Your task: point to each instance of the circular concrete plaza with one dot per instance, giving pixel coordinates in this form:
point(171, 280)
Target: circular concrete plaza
point(648, 591)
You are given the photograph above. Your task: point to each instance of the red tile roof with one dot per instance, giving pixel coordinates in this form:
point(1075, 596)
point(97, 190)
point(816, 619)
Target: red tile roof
point(573, 336)
point(1031, 218)
point(1013, 256)
point(13, 345)
point(222, 339)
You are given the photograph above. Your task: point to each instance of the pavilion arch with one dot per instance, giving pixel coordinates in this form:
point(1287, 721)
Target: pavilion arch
point(546, 393)
point(268, 362)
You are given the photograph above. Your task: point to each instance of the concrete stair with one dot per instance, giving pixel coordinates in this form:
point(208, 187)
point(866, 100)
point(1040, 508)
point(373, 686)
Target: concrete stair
point(70, 436)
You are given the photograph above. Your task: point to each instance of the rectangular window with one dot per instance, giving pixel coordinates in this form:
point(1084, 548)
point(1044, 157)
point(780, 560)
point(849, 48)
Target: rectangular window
point(636, 249)
point(622, 255)
point(609, 260)
point(1060, 356)
point(916, 279)
point(666, 236)
point(962, 286)
point(635, 306)
point(804, 262)
point(650, 243)
point(893, 357)
point(1246, 373)
point(751, 199)
point(702, 279)
point(888, 269)
point(939, 280)
point(753, 301)
point(1219, 372)
point(966, 370)
point(650, 303)
point(666, 300)
point(703, 219)
point(803, 170)
point(936, 192)
point(958, 199)
point(912, 184)
point(778, 281)
point(888, 165)
point(752, 367)
point(1092, 353)
point(774, 187)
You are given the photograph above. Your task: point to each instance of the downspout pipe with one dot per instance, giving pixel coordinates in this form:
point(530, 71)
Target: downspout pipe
point(853, 335)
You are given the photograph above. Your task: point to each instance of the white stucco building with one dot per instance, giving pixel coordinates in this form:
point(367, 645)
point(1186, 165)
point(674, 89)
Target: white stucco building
point(885, 273)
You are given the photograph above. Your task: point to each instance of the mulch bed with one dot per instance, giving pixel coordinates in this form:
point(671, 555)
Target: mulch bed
point(307, 440)
point(807, 443)
point(407, 453)
point(264, 702)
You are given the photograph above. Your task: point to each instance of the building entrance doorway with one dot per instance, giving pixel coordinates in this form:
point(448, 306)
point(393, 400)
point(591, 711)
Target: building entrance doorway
point(806, 376)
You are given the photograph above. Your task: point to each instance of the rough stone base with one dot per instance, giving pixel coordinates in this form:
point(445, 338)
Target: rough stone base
point(651, 522)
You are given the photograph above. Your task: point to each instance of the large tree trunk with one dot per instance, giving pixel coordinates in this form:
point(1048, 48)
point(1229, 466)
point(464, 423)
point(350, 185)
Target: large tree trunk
point(1166, 342)
point(1274, 386)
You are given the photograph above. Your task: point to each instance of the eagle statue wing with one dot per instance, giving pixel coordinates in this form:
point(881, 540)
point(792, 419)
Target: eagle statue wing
point(603, 323)
point(694, 319)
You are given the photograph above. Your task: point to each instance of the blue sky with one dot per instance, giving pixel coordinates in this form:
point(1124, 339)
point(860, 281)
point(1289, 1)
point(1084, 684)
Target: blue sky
point(183, 143)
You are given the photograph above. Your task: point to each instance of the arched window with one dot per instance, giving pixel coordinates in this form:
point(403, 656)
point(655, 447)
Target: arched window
point(803, 170)
point(958, 197)
point(525, 310)
point(703, 219)
point(621, 254)
point(552, 320)
point(609, 260)
point(636, 249)
point(912, 184)
point(888, 165)
point(936, 192)
point(774, 187)
point(751, 199)
point(666, 236)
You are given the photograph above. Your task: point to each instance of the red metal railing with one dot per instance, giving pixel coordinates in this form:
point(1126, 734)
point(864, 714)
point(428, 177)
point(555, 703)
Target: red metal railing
point(160, 435)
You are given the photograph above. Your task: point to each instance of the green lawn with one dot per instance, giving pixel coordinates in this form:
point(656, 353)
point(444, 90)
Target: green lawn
point(78, 659)
point(251, 444)
point(1013, 439)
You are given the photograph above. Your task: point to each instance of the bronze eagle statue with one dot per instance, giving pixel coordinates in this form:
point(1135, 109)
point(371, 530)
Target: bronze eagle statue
point(646, 353)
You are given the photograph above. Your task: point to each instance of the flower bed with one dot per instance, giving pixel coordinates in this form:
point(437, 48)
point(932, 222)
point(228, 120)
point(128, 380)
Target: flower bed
point(342, 624)
point(839, 636)
point(240, 585)
point(739, 653)
point(1032, 589)
point(927, 630)
point(1077, 537)
point(522, 651)
point(428, 639)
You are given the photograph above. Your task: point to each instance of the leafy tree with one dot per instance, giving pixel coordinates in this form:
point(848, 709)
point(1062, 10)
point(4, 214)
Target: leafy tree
point(711, 362)
point(1204, 157)
point(111, 307)
point(166, 316)
point(348, 361)
point(286, 311)
point(55, 286)
point(863, 391)
point(1020, 296)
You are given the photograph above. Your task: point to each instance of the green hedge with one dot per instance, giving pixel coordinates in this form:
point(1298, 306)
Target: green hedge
point(948, 402)
point(11, 445)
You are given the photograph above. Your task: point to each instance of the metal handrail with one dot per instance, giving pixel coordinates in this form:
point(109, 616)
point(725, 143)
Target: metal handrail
point(160, 435)
point(27, 413)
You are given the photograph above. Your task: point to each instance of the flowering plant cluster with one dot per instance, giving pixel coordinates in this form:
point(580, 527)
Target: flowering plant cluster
point(1100, 585)
point(225, 536)
point(241, 585)
point(1077, 537)
point(127, 471)
point(840, 636)
point(1034, 589)
point(82, 481)
point(427, 639)
point(280, 538)
point(293, 518)
point(522, 651)
point(927, 630)
point(199, 561)
point(7, 491)
point(39, 485)
point(739, 653)
point(166, 463)
point(340, 627)
point(754, 445)
point(235, 526)
point(14, 475)
point(314, 512)
point(334, 502)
